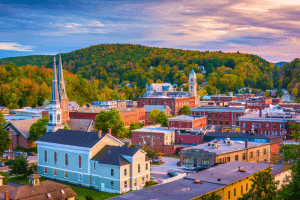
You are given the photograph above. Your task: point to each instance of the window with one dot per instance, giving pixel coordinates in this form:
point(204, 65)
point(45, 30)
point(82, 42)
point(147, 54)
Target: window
point(244, 125)
point(143, 180)
point(125, 172)
point(66, 160)
point(186, 160)
point(160, 138)
point(244, 156)
point(221, 122)
point(139, 168)
point(226, 123)
point(246, 186)
point(237, 122)
point(257, 153)
point(79, 162)
point(265, 151)
point(274, 126)
point(228, 159)
point(45, 170)
point(135, 182)
point(65, 106)
point(111, 184)
point(58, 118)
point(187, 124)
point(172, 123)
point(236, 157)
point(55, 157)
point(94, 166)
point(228, 194)
point(146, 166)
point(251, 154)
point(55, 172)
point(205, 162)
point(259, 125)
point(220, 160)
point(46, 156)
point(226, 115)
point(179, 124)
point(220, 115)
point(267, 125)
point(208, 115)
point(140, 136)
point(215, 122)
point(50, 118)
point(241, 189)
point(66, 174)
point(215, 115)
point(93, 179)
point(234, 192)
point(80, 177)
point(112, 172)
point(125, 184)
point(209, 122)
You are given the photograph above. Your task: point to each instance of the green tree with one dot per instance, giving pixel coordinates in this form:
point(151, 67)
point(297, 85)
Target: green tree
point(2, 120)
point(89, 197)
point(279, 92)
point(202, 92)
point(153, 116)
point(6, 177)
point(66, 127)
point(110, 120)
point(212, 196)
point(4, 140)
point(19, 165)
point(267, 94)
point(185, 110)
point(263, 187)
point(38, 129)
point(162, 119)
point(134, 126)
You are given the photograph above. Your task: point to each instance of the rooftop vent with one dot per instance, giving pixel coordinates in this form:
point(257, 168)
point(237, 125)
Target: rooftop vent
point(219, 179)
point(242, 170)
point(216, 146)
point(186, 189)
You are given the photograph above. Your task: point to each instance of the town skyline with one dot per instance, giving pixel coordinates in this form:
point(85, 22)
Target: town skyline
point(267, 28)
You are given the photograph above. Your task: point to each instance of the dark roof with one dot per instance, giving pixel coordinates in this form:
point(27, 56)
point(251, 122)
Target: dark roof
point(71, 137)
point(112, 155)
point(40, 192)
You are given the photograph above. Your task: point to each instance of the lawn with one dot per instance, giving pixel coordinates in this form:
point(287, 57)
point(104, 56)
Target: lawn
point(80, 191)
point(171, 156)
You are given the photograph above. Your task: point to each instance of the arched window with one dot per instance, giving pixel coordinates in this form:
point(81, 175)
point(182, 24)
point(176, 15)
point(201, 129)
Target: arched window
point(66, 160)
point(79, 162)
point(50, 117)
point(112, 172)
point(55, 157)
point(46, 159)
point(58, 117)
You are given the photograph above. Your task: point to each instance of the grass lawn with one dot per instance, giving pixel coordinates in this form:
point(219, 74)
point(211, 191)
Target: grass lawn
point(80, 191)
point(172, 156)
point(158, 163)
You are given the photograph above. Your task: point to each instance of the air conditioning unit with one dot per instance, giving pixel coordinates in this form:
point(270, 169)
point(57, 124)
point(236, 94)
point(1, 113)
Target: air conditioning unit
point(230, 143)
point(216, 146)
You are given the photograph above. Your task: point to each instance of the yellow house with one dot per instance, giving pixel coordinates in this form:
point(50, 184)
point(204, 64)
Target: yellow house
point(4, 110)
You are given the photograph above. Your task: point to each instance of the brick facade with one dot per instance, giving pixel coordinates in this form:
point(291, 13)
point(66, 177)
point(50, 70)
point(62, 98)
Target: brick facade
point(223, 98)
point(241, 97)
point(152, 137)
point(188, 139)
point(19, 140)
point(175, 103)
point(196, 122)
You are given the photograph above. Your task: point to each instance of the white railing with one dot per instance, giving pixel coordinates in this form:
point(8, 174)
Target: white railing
point(179, 176)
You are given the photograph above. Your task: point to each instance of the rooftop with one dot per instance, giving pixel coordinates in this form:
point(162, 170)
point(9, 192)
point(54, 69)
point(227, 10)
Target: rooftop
point(154, 130)
point(149, 108)
point(99, 109)
point(185, 118)
point(23, 126)
point(237, 108)
point(79, 124)
point(224, 148)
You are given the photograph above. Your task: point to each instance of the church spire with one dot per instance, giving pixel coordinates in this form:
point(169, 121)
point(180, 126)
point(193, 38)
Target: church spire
point(54, 96)
point(61, 82)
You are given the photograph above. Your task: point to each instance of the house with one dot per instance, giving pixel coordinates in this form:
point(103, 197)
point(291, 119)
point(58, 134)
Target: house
point(73, 105)
point(44, 190)
point(4, 189)
point(221, 151)
point(229, 180)
point(4, 110)
point(92, 160)
point(19, 133)
point(149, 108)
point(187, 122)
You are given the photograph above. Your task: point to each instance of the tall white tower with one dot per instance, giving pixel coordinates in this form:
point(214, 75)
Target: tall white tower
point(54, 106)
point(193, 84)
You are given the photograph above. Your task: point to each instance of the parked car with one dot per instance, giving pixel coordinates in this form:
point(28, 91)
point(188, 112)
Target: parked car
point(172, 174)
point(8, 162)
point(198, 169)
point(1, 164)
point(178, 163)
point(153, 179)
point(188, 167)
point(157, 160)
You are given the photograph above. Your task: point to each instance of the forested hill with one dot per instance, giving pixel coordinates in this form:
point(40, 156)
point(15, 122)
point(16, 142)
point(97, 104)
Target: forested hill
point(114, 64)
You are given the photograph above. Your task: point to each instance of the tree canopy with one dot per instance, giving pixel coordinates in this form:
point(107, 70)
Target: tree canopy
point(158, 117)
point(185, 110)
point(110, 120)
point(38, 129)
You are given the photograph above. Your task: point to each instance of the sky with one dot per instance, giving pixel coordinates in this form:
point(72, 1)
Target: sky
point(267, 28)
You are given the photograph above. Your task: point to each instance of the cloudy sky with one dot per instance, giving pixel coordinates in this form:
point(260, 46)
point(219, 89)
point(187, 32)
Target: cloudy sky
point(268, 28)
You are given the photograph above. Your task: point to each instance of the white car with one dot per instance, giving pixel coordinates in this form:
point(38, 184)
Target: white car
point(188, 167)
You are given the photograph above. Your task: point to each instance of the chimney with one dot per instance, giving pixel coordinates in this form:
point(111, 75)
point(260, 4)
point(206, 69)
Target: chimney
point(6, 196)
point(99, 134)
point(246, 143)
point(109, 131)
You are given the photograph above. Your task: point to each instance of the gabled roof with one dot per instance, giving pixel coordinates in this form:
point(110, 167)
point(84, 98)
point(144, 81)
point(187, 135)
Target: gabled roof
point(79, 124)
point(22, 126)
point(72, 138)
point(112, 155)
point(56, 190)
point(149, 108)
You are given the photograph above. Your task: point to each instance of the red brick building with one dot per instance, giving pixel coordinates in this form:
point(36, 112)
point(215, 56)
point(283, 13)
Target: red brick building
point(223, 98)
point(269, 124)
point(128, 115)
point(19, 133)
point(244, 96)
point(157, 139)
point(187, 122)
point(228, 116)
point(188, 139)
point(174, 102)
point(295, 106)
point(149, 108)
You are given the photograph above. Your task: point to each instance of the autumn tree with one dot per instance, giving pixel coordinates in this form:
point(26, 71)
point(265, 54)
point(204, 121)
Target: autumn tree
point(153, 116)
point(110, 120)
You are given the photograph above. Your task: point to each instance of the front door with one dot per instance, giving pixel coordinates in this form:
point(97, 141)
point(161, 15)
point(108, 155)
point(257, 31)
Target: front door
point(195, 162)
